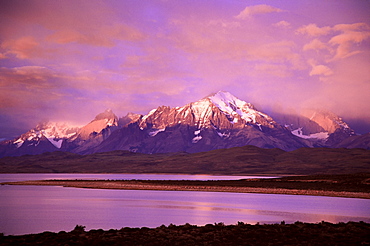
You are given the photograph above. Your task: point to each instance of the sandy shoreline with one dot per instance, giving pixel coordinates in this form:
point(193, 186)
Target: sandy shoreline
point(136, 185)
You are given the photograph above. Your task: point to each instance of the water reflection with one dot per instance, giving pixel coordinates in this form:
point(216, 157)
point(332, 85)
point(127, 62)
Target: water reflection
point(33, 209)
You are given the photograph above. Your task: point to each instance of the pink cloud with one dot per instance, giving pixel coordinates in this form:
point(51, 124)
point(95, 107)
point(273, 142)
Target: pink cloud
point(232, 42)
point(158, 67)
point(36, 93)
point(321, 70)
point(283, 24)
point(276, 51)
point(138, 56)
point(22, 48)
point(249, 11)
point(28, 89)
point(316, 45)
point(27, 78)
point(67, 36)
point(103, 35)
point(350, 27)
point(345, 42)
point(314, 30)
point(276, 70)
point(341, 44)
point(94, 23)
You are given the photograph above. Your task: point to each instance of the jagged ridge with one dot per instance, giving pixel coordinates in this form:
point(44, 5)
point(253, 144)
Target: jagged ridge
point(217, 121)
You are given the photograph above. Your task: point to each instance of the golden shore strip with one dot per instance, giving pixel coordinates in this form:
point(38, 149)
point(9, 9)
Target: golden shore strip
point(137, 185)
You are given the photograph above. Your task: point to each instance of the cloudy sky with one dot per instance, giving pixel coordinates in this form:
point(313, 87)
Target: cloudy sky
point(70, 60)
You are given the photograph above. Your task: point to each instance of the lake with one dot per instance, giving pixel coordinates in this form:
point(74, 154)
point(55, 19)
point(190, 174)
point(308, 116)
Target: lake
point(34, 209)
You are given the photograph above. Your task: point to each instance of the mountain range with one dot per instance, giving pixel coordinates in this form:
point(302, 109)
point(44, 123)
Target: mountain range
point(217, 121)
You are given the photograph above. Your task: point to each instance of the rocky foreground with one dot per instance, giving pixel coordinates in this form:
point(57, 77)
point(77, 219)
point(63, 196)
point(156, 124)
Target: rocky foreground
point(324, 233)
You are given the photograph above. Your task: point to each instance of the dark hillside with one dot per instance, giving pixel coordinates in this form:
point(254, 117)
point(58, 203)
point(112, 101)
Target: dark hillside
point(245, 160)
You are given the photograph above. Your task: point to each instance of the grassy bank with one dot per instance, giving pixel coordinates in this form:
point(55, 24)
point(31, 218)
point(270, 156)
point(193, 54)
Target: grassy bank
point(245, 160)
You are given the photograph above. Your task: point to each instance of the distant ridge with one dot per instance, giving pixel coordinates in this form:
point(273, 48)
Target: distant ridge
point(217, 121)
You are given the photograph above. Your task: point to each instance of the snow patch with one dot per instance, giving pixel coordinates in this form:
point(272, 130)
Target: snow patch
point(259, 125)
point(155, 132)
point(320, 135)
point(232, 106)
point(196, 139)
point(19, 142)
point(341, 123)
point(201, 110)
point(149, 114)
point(224, 134)
point(56, 143)
point(111, 122)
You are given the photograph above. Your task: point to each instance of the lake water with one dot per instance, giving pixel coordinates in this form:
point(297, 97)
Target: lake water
point(34, 209)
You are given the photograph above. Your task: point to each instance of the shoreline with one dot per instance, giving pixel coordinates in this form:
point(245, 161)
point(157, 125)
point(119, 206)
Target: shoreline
point(137, 185)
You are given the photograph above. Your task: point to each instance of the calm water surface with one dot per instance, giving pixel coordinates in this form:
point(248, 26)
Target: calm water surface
point(34, 209)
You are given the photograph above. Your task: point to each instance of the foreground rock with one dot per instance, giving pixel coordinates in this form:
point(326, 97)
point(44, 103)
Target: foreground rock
point(351, 233)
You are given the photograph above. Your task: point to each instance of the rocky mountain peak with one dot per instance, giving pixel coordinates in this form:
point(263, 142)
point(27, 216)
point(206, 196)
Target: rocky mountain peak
point(329, 121)
point(106, 115)
point(320, 126)
point(236, 109)
point(220, 110)
point(220, 120)
point(101, 121)
point(57, 129)
point(52, 131)
point(128, 119)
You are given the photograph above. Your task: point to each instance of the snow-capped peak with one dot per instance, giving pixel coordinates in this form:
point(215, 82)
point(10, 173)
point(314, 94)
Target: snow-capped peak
point(55, 132)
point(58, 130)
point(101, 121)
point(209, 112)
point(107, 115)
point(233, 106)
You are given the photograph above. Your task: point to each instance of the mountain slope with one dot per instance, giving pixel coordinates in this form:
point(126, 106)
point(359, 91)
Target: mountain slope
point(352, 142)
point(223, 121)
point(217, 121)
point(93, 133)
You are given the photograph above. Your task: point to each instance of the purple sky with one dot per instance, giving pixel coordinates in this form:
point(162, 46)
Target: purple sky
point(70, 60)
